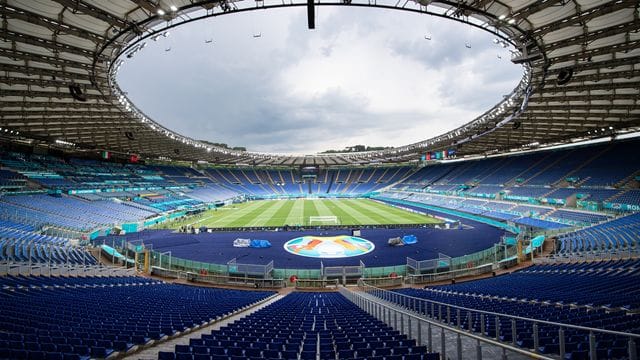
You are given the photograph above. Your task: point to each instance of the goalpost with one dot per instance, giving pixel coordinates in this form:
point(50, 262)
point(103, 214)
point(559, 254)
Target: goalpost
point(324, 220)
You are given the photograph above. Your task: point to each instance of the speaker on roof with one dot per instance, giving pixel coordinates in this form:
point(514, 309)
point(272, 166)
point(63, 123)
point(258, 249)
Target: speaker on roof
point(77, 93)
point(529, 52)
point(516, 125)
point(311, 15)
point(129, 135)
point(564, 76)
point(177, 151)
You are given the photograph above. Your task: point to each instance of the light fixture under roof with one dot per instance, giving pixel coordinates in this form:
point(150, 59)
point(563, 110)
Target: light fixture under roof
point(174, 8)
point(502, 17)
point(512, 21)
point(160, 12)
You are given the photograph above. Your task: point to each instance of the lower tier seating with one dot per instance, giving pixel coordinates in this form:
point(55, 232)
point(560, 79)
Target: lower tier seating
point(78, 318)
point(306, 326)
point(618, 235)
point(594, 295)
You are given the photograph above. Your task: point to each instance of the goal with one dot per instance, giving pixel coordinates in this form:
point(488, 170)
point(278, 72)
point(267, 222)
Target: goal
point(323, 220)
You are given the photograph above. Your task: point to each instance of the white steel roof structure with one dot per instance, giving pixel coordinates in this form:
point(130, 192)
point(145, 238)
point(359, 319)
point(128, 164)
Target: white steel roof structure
point(58, 60)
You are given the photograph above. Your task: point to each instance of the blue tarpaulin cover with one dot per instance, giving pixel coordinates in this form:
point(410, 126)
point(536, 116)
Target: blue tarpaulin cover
point(260, 244)
point(409, 239)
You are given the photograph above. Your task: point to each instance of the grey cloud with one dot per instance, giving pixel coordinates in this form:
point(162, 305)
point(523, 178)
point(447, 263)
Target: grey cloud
point(228, 91)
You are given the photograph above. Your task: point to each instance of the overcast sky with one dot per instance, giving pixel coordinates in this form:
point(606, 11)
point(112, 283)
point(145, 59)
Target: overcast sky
point(363, 76)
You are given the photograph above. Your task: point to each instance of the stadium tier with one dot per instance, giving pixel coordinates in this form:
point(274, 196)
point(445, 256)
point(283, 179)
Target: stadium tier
point(542, 217)
point(610, 284)
point(602, 176)
point(78, 318)
point(348, 181)
point(559, 190)
point(21, 243)
point(307, 326)
point(482, 208)
point(622, 234)
point(592, 295)
point(69, 212)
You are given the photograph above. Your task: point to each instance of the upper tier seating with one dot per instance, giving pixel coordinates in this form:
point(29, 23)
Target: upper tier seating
point(611, 167)
point(95, 316)
point(12, 181)
point(80, 174)
point(348, 181)
point(628, 197)
point(304, 326)
point(552, 174)
point(526, 191)
point(211, 193)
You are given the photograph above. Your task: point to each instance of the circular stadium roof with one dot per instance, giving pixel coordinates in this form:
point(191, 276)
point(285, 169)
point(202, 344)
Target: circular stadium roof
point(59, 59)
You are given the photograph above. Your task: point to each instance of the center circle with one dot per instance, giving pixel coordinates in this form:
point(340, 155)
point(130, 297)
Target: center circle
point(329, 247)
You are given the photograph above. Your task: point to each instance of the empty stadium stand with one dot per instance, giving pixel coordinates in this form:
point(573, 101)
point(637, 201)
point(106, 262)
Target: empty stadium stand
point(535, 303)
point(93, 317)
point(69, 212)
point(22, 243)
point(596, 177)
point(304, 326)
point(542, 217)
point(622, 234)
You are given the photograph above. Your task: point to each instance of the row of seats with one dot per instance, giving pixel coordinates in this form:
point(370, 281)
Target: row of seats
point(304, 326)
point(595, 295)
point(69, 212)
point(79, 174)
point(612, 286)
point(588, 166)
point(38, 252)
point(526, 215)
point(621, 234)
point(264, 182)
point(22, 243)
point(93, 317)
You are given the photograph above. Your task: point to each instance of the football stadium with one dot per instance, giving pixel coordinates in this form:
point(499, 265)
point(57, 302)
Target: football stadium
point(510, 232)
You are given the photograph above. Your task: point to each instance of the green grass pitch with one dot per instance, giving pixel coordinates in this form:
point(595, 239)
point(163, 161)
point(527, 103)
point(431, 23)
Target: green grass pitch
point(296, 212)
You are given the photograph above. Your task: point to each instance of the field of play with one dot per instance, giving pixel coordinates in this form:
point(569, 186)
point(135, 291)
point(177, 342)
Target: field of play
point(297, 212)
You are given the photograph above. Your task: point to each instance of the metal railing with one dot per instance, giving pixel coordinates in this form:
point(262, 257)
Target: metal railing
point(448, 275)
point(45, 269)
point(413, 325)
point(497, 321)
point(317, 284)
point(388, 281)
point(590, 256)
point(219, 279)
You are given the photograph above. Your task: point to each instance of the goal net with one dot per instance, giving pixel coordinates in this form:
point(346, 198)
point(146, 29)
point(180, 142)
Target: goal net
point(323, 220)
